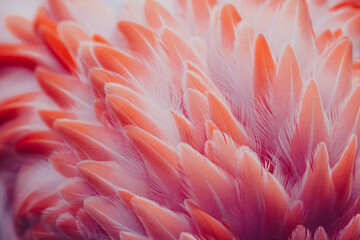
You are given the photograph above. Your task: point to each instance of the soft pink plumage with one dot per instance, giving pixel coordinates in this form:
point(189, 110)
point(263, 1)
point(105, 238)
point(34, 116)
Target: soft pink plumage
point(187, 119)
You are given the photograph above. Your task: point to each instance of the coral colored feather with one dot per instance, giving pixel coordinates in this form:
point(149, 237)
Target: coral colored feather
point(180, 119)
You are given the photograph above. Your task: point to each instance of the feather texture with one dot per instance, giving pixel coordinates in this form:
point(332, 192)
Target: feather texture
point(181, 119)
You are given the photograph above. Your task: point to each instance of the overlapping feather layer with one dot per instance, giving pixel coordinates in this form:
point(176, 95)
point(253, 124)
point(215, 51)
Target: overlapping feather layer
point(188, 119)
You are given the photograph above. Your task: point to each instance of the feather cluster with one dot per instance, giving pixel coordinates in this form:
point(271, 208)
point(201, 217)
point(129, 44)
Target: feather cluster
point(182, 119)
